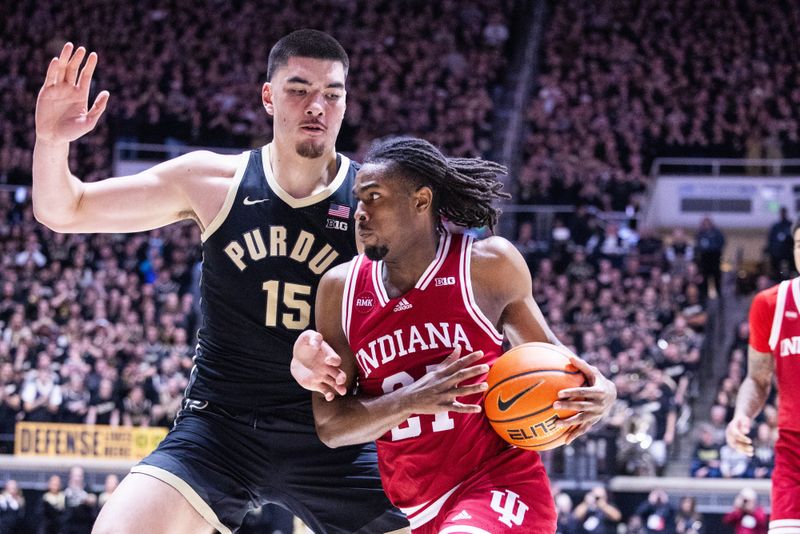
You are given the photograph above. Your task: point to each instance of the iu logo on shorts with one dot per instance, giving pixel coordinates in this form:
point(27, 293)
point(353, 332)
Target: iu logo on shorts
point(511, 509)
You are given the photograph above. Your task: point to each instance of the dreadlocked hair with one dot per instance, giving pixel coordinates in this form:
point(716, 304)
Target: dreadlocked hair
point(463, 188)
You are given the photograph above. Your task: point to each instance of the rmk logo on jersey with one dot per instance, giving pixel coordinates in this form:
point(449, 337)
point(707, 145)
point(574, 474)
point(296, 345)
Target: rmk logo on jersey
point(364, 302)
point(337, 225)
point(445, 281)
point(511, 509)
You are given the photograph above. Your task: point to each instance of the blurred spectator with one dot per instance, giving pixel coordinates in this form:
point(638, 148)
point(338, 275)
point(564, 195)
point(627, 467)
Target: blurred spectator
point(763, 461)
point(687, 519)
point(41, 394)
point(657, 515)
point(75, 403)
point(52, 507)
point(710, 244)
point(80, 505)
point(707, 455)
point(103, 406)
point(595, 514)
point(12, 509)
point(10, 406)
point(137, 409)
point(566, 522)
point(747, 516)
point(779, 248)
point(111, 483)
point(732, 463)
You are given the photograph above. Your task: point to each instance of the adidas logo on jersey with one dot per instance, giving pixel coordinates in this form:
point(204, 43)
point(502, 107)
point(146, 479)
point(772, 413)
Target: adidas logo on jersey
point(445, 281)
point(462, 516)
point(403, 305)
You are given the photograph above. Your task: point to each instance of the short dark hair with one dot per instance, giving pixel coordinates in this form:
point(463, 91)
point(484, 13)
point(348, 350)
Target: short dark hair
point(464, 189)
point(306, 43)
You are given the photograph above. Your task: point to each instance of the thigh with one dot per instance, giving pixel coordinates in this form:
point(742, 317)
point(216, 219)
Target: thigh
point(331, 490)
point(509, 494)
point(209, 459)
point(145, 504)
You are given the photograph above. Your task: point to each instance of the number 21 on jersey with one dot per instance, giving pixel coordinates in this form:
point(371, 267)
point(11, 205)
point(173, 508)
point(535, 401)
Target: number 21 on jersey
point(413, 425)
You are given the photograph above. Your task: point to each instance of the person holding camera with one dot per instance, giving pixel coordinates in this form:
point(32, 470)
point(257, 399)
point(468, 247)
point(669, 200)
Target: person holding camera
point(595, 514)
point(657, 514)
point(747, 516)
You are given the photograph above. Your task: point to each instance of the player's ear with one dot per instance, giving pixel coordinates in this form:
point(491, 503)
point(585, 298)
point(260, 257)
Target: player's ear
point(423, 199)
point(266, 98)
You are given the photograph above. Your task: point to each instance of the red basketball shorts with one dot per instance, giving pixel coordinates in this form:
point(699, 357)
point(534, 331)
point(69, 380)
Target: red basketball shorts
point(785, 517)
point(510, 493)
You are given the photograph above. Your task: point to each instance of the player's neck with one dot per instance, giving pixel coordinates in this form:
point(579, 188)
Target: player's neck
point(402, 271)
point(301, 177)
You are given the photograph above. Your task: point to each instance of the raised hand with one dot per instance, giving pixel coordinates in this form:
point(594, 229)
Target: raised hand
point(438, 390)
point(62, 113)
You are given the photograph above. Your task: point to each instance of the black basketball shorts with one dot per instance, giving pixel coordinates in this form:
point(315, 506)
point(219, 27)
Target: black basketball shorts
point(226, 464)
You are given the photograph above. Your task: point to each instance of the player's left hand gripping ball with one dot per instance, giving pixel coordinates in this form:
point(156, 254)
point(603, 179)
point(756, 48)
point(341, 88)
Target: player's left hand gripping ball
point(592, 402)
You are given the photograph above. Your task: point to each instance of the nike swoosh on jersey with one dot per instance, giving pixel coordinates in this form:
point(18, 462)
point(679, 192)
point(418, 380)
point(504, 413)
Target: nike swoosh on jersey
point(505, 405)
point(248, 202)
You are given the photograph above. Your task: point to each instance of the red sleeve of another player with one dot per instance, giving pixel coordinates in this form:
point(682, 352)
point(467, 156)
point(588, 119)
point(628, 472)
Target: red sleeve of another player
point(762, 312)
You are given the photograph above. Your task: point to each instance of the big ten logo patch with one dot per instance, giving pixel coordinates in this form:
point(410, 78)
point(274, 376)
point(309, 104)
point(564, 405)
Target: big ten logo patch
point(511, 509)
point(364, 302)
point(337, 225)
point(445, 281)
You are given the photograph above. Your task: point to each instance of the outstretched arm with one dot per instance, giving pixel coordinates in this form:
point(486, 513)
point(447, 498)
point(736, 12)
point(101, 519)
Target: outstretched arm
point(358, 418)
point(164, 194)
point(502, 283)
point(753, 394)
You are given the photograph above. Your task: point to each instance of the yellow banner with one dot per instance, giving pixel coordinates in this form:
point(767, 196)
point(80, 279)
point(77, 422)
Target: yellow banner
point(86, 441)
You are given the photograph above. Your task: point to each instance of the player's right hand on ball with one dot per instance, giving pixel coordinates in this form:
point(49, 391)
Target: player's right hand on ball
point(439, 389)
point(315, 366)
point(737, 432)
point(62, 113)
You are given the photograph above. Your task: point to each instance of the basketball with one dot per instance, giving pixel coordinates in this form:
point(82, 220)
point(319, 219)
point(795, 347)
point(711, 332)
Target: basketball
point(523, 385)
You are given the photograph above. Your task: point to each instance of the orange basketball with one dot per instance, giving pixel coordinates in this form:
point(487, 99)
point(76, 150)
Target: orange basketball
point(523, 385)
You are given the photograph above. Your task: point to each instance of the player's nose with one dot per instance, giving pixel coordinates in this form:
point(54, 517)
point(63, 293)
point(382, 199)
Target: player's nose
point(316, 106)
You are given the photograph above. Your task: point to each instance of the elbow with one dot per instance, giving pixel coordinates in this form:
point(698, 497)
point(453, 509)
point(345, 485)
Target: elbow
point(329, 437)
point(48, 219)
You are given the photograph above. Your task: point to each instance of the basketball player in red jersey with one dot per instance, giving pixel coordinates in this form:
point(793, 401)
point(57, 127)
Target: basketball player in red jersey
point(775, 350)
point(400, 315)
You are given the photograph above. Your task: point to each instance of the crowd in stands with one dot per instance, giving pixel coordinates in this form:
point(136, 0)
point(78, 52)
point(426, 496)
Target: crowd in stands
point(625, 81)
point(658, 513)
point(635, 306)
point(192, 75)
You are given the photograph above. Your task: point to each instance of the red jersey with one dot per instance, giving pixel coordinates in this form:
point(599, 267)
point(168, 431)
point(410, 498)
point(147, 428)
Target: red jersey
point(775, 328)
point(395, 342)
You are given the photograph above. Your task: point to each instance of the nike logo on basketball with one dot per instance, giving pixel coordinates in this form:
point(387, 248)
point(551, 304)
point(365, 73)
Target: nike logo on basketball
point(248, 202)
point(505, 405)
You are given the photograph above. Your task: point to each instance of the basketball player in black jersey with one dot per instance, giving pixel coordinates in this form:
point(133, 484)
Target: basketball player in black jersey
point(273, 221)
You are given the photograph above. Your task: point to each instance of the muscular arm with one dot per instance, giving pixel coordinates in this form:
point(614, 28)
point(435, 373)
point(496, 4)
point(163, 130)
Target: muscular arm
point(352, 419)
point(750, 401)
point(191, 186)
point(503, 288)
point(755, 388)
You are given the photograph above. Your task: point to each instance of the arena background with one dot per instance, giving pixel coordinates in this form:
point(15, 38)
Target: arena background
point(650, 145)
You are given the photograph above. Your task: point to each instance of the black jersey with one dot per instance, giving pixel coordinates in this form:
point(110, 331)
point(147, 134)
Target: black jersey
point(263, 256)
